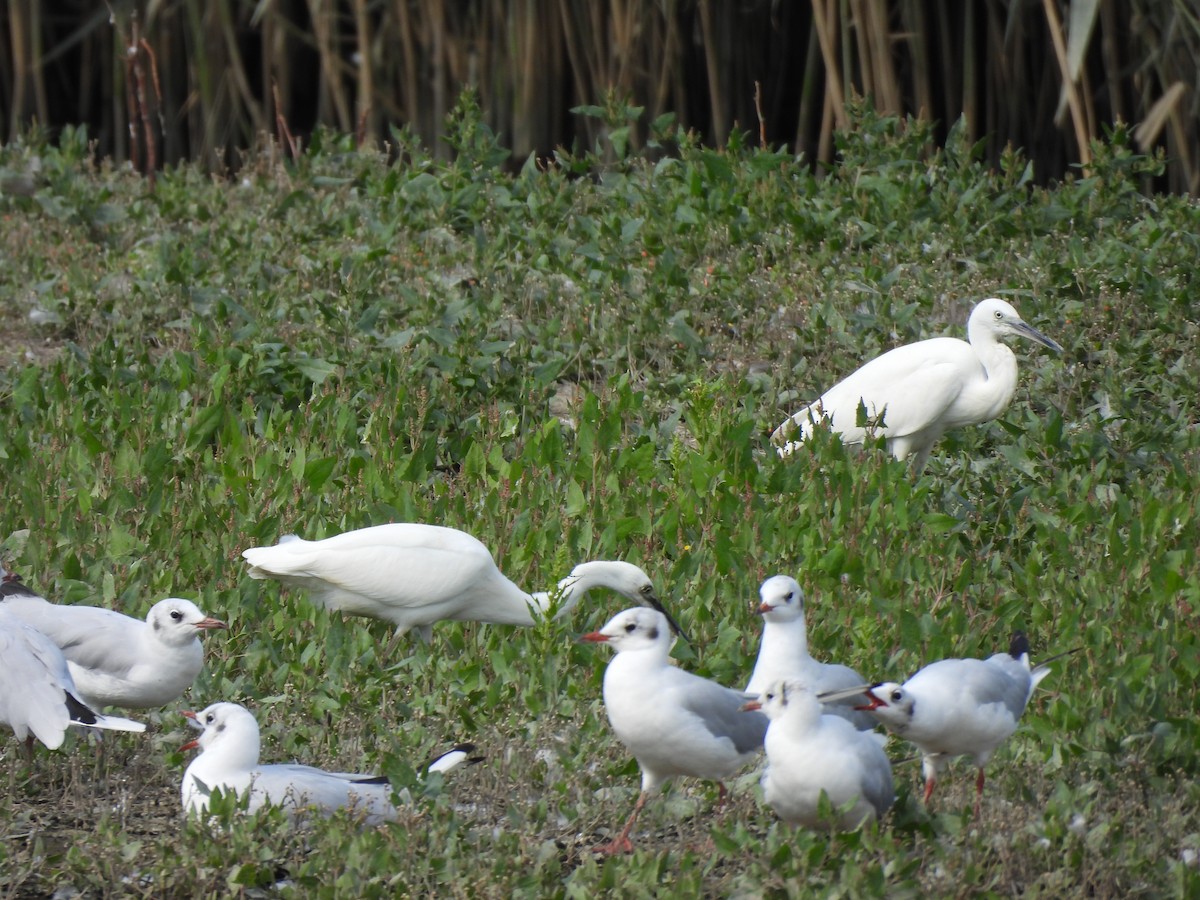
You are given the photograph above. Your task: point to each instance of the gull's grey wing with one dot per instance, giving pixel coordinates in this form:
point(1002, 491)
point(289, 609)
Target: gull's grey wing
point(88, 636)
point(720, 709)
point(981, 682)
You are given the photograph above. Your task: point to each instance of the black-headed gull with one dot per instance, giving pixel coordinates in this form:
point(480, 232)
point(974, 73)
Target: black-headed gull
point(809, 752)
point(413, 575)
point(920, 391)
point(114, 659)
point(673, 722)
point(228, 760)
point(37, 696)
point(959, 707)
point(783, 652)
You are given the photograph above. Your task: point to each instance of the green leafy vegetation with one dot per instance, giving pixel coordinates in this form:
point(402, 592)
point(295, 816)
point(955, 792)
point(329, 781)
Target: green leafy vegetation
point(583, 360)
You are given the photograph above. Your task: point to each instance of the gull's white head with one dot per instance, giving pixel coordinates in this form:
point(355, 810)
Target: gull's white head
point(177, 622)
point(640, 628)
point(782, 599)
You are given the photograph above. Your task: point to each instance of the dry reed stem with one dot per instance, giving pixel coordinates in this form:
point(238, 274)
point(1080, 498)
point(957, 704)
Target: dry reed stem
point(1078, 117)
point(823, 24)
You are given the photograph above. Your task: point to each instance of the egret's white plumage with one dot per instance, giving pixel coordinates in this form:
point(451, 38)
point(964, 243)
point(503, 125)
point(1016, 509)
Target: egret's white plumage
point(413, 575)
point(229, 745)
point(922, 390)
point(116, 660)
point(809, 752)
point(783, 653)
point(37, 695)
point(673, 722)
point(959, 707)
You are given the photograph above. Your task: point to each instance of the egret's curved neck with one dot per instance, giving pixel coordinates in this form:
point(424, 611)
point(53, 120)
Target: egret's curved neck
point(1000, 370)
point(570, 591)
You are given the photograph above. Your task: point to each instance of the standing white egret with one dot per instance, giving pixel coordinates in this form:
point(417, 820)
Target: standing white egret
point(783, 652)
point(673, 722)
point(915, 393)
point(413, 575)
point(809, 752)
point(959, 707)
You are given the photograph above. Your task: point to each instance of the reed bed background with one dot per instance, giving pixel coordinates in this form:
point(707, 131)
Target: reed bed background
point(159, 81)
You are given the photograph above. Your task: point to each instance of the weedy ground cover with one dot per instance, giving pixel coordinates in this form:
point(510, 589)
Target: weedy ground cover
point(583, 360)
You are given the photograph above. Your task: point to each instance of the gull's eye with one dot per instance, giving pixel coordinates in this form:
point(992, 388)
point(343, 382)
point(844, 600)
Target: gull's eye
point(897, 695)
point(631, 628)
point(176, 615)
point(999, 315)
point(646, 590)
point(210, 718)
point(788, 597)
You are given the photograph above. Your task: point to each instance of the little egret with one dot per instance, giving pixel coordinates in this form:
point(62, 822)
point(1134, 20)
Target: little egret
point(809, 753)
point(673, 722)
point(413, 575)
point(959, 707)
point(37, 696)
point(229, 746)
point(914, 394)
point(117, 660)
point(783, 652)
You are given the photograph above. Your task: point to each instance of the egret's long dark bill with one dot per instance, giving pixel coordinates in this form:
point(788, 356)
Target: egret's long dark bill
point(1030, 332)
point(657, 604)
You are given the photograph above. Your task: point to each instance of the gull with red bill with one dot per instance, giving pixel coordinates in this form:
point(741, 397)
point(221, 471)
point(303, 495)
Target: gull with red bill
point(673, 722)
point(114, 659)
point(228, 760)
point(958, 707)
point(811, 753)
point(783, 653)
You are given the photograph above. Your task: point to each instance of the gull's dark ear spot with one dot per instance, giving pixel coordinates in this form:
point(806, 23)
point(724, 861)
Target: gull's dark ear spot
point(654, 633)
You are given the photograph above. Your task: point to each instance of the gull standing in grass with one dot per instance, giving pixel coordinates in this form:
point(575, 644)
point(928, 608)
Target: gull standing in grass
point(784, 651)
point(958, 707)
point(37, 696)
point(229, 747)
point(116, 660)
point(917, 392)
point(810, 753)
point(413, 575)
point(673, 722)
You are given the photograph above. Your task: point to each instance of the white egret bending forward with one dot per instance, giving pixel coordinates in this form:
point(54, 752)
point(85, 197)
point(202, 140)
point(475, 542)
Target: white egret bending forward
point(412, 575)
point(914, 394)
